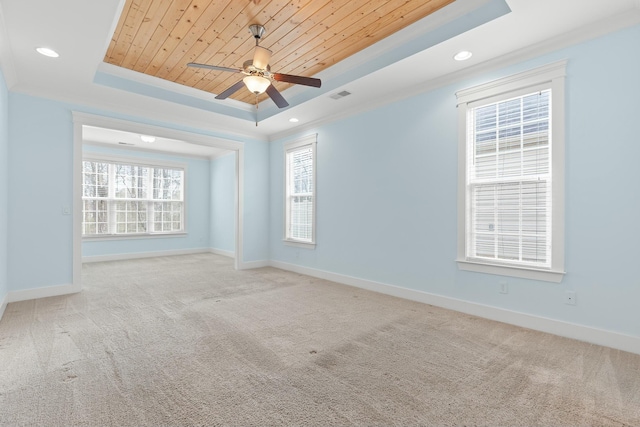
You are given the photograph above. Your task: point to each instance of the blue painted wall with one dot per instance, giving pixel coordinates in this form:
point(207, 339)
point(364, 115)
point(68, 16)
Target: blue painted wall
point(4, 186)
point(197, 204)
point(40, 184)
point(40, 170)
point(256, 202)
point(387, 194)
point(223, 176)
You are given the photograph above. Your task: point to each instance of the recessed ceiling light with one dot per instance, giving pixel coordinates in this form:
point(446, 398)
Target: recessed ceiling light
point(293, 120)
point(147, 138)
point(47, 52)
point(463, 55)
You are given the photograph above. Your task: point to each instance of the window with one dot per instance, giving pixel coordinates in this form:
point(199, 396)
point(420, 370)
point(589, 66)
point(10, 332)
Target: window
point(122, 198)
point(511, 201)
point(300, 183)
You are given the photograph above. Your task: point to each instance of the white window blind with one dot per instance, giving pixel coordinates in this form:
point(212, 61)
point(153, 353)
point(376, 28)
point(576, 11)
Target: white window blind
point(509, 181)
point(300, 192)
point(511, 175)
point(121, 198)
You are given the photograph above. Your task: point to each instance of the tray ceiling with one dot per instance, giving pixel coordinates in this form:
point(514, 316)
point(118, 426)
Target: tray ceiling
point(159, 37)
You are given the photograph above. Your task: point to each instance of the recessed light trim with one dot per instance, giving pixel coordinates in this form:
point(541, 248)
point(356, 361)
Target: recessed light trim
point(47, 52)
point(463, 55)
point(147, 138)
point(293, 120)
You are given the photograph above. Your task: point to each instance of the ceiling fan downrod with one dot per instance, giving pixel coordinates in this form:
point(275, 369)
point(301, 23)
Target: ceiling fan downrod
point(257, 31)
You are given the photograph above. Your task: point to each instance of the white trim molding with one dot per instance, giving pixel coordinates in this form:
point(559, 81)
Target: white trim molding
point(556, 327)
point(230, 254)
point(3, 304)
point(138, 255)
point(44, 292)
point(248, 265)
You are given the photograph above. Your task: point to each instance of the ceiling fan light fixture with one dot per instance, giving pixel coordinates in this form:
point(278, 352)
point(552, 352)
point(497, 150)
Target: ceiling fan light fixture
point(261, 57)
point(463, 55)
point(256, 84)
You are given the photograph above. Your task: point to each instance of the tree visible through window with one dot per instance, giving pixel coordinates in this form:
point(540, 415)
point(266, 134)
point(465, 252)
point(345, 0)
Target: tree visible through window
point(121, 198)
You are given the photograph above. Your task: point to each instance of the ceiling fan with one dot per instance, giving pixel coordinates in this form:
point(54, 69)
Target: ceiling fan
point(258, 74)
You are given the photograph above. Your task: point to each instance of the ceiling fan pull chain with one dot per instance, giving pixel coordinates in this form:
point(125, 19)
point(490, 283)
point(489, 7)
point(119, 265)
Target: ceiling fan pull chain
point(256, 110)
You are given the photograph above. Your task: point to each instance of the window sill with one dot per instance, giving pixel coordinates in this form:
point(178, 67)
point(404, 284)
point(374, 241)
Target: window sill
point(554, 276)
point(299, 244)
point(131, 236)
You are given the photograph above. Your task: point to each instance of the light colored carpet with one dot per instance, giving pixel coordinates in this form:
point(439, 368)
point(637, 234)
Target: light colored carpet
point(189, 341)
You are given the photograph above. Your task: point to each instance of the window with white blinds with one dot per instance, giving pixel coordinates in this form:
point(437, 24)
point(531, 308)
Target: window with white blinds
point(300, 191)
point(511, 201)
point(509, 181)
point(124, 198)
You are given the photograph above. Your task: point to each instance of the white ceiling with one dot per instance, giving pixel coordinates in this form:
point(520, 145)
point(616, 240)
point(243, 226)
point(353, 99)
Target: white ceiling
point(133, 141)
point(80, 31)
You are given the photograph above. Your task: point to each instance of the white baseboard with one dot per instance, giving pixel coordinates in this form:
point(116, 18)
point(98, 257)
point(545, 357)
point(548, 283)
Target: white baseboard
point(248, 265)
point(136, 255)
point(222, 252)
point(3, 304)
point(48, 291)
point(565, 329)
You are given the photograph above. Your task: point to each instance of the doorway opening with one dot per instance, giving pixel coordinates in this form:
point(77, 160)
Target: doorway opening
point(153, 151)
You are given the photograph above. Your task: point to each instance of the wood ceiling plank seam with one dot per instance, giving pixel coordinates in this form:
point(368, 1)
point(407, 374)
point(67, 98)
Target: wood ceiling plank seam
point(176, 34)
point(277, 18)
point(129, 30)
point(217, 41)
point(293, 49)
point(306, 36)
point(116, 32)
point(188, 74)
point(154, 15)
point(385, 31)
point(285, 26)
point(282, 43)
point(315, 47)
point(330, 48)
point(195, 37)
point(179, 7)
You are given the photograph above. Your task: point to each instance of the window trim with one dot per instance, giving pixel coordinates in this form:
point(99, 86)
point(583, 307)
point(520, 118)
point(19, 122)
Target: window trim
point(145, 162)
point(309, 140)
point(550, 76)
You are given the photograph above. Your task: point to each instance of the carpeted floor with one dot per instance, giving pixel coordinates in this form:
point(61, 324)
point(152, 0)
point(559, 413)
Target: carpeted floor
point(189, 341)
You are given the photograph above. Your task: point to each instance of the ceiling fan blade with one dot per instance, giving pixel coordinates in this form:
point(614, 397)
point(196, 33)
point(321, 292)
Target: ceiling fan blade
point(261, 57)
point(213, 67)
point(233, 89)
point(298, 80)
point(277, 97)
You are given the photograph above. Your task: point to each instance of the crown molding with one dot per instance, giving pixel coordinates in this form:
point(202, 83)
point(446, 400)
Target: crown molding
point(159, 111)
point(580, 35)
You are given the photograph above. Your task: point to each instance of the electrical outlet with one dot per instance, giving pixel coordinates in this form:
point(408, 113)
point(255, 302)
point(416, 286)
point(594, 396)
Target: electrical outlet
point(504, 287)
point(66, 210)
point(570, 297)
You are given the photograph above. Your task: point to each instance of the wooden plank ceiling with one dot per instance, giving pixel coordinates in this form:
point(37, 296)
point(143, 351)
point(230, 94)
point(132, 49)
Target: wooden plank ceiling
point(159, 37)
